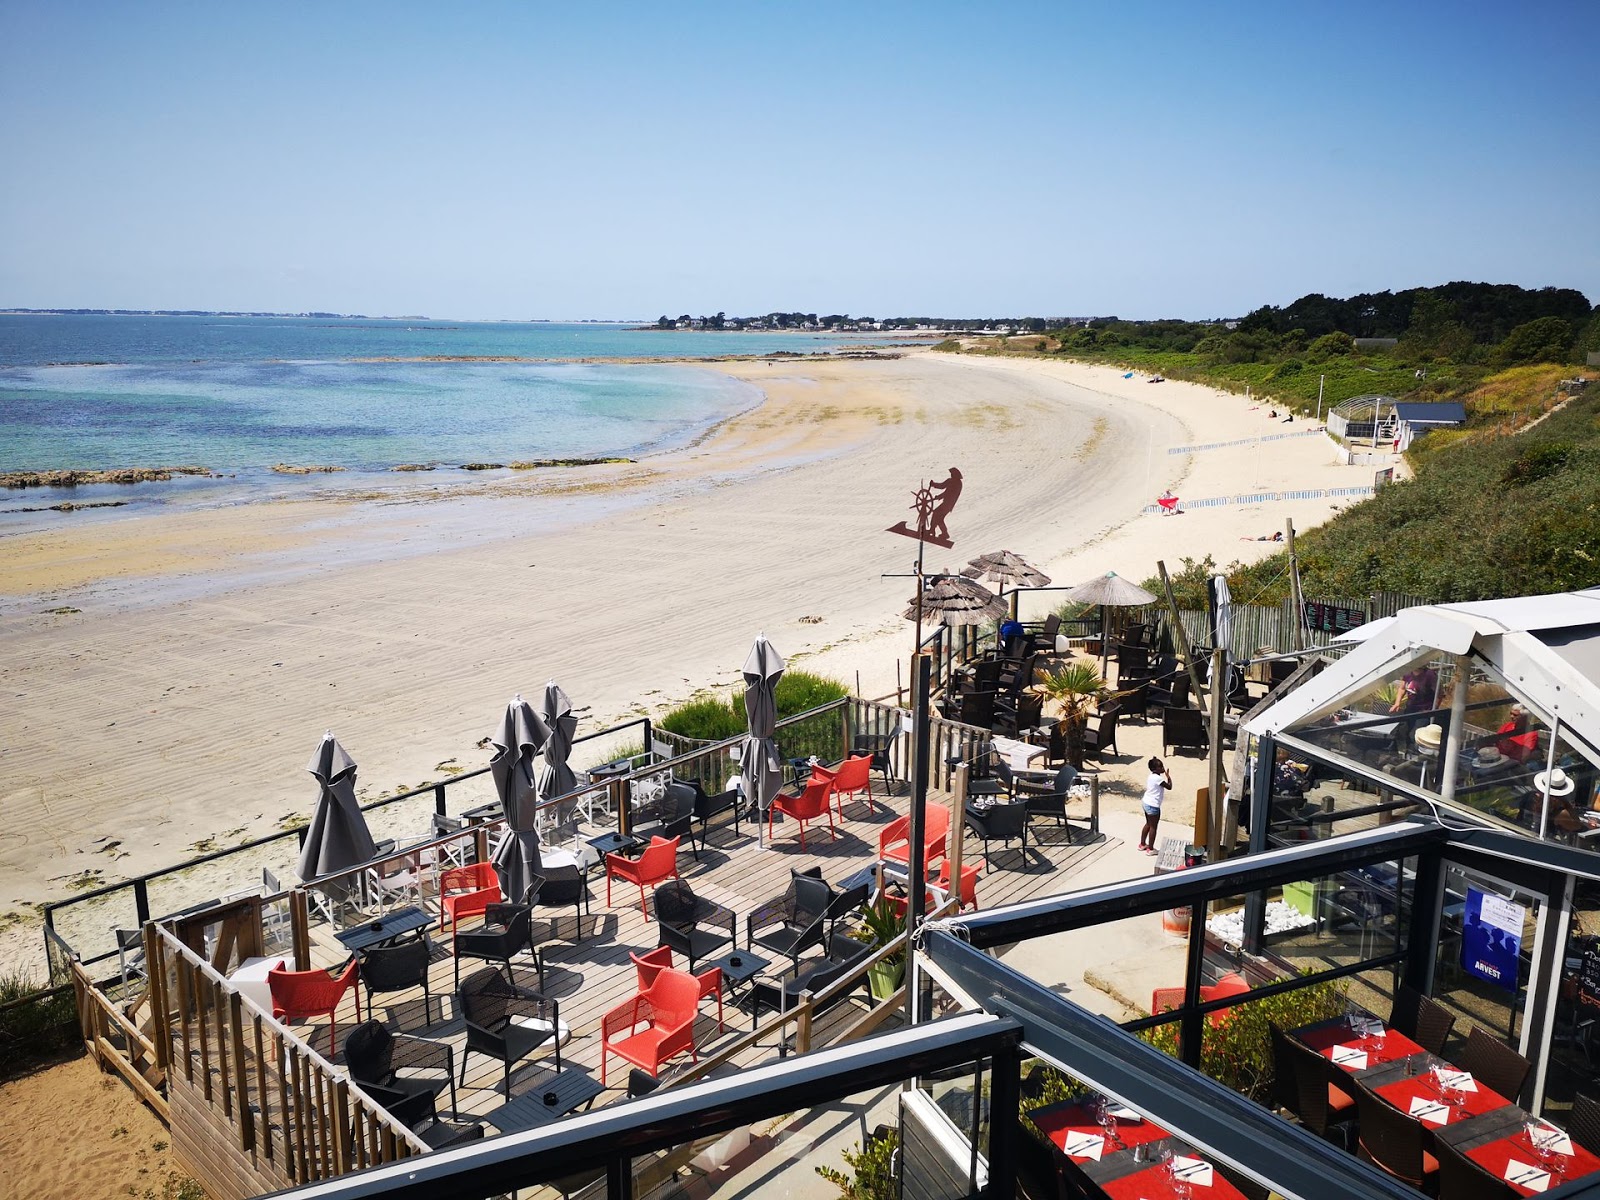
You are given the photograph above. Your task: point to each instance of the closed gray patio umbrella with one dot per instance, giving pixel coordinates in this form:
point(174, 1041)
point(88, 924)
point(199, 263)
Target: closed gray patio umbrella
point(521, 736)
point(338, 837)
point(759, 762)
point(556, 777)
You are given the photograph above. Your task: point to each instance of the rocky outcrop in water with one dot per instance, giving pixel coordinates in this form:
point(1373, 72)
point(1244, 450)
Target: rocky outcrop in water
point(27, 479)
point(286, 469)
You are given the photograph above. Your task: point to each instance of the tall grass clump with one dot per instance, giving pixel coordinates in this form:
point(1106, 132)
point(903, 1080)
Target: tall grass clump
point(712, 719)
point(33, 1024)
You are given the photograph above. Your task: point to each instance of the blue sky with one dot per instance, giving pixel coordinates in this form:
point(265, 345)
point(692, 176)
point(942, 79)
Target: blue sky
point(538, 160)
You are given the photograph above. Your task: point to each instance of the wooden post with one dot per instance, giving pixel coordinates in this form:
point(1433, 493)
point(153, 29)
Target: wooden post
point(1182, 637)
point(480, 844)
point(343, 1160)
point(1294, 586)
point(1214, 793)
point(802, 1025)
point(619, 805)
point(958, 824)
point(155, 970)
point(300, 929)
point(241, 1076)
point(1094, 804)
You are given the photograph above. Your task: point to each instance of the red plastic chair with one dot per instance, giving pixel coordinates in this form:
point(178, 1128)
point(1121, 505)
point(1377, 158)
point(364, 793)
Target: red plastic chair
point(894, 843)
point(969, 882)
point(467, 891)
point(658, 863)
point(660, 959)
point(298, 995)
point(668, 1009)
point(851, 778)
point(807, 806)
point(1231, 984)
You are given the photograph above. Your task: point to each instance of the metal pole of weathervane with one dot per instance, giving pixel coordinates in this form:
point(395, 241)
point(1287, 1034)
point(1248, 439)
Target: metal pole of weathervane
point(932, 502)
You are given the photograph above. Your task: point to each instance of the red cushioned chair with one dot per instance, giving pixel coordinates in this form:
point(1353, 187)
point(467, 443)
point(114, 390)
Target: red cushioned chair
point(667, 1009)
point(852, 777)
point(658, 863)
point(660, 959)
point(299, 995)
point(807, 806)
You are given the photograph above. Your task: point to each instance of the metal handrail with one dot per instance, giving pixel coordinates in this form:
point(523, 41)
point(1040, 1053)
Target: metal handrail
point(140, 884)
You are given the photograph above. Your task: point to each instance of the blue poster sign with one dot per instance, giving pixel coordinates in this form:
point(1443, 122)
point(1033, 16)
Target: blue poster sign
point(1491, 938)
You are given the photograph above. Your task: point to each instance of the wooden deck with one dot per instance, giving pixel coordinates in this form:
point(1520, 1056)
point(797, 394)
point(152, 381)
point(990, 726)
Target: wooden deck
point(591, 974)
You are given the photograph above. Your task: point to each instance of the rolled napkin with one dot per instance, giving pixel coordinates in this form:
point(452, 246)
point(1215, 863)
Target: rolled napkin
point(1192, 1170)
point(1084, 1145)
point(1349, 1056)
point(1430, 1111)
point(1526, 1175)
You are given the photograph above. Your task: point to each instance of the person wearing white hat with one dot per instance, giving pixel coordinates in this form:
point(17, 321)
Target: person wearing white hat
point(1551, 790)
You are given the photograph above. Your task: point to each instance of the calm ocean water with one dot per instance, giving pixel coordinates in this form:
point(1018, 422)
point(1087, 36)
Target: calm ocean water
point(240, 394)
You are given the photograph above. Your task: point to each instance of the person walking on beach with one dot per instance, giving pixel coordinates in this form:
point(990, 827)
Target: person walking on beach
point(1156, 786)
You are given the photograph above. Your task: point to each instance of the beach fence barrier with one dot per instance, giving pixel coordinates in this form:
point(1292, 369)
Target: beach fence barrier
point(1249, 441)
point(1252, 498)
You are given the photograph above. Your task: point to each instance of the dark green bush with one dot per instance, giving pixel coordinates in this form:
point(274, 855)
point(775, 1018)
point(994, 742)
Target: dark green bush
point(33, 1025)
point(712, 719)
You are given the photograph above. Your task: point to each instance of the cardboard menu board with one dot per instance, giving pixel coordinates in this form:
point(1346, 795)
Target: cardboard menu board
point(1491, 938)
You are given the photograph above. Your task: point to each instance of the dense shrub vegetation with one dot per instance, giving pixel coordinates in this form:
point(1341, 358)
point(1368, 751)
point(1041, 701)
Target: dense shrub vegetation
point(1508, 505)
point(712, 719)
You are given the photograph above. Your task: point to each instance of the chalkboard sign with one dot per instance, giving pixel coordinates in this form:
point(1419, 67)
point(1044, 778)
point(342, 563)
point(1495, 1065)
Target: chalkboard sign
point(1589, 977)
point(1330, 618)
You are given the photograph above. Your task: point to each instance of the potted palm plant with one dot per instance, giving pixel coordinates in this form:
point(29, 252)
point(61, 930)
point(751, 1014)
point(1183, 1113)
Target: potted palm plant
point(1076, 687)
point(882, 922)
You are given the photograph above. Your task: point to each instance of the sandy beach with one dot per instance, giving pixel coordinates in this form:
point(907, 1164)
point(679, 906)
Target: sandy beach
point(209, 650)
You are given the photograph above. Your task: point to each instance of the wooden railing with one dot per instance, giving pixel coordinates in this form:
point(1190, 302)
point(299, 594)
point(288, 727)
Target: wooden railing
point(251, 1106)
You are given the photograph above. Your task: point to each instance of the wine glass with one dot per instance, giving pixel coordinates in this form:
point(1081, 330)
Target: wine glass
point(1179, 1185)
point(1105, 1117)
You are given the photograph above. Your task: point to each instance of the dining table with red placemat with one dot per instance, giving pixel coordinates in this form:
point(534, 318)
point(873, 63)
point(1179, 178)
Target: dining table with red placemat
point(1124, 1164)
point(1451, 1105)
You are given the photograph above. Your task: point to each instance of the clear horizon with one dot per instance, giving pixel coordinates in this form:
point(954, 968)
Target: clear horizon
point(512, 162)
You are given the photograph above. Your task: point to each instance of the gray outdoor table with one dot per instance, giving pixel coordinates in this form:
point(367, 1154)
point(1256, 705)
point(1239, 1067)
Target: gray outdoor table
point(397, 924)
point(552, 1099)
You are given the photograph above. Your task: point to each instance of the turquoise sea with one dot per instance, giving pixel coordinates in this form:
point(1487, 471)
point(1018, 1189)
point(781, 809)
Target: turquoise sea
point(239, 394)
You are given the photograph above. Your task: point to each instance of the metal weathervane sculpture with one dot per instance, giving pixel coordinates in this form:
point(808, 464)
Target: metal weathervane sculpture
point(933, 503)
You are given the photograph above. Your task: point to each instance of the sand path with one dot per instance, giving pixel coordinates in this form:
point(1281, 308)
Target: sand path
point(214, 648)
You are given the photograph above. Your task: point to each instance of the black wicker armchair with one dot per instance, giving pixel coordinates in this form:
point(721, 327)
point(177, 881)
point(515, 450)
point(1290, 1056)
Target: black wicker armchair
point(399, 968)
point(375, 1057)
point(692, 925)
point(505, 932)
point(793, 922)
point(506, 1022)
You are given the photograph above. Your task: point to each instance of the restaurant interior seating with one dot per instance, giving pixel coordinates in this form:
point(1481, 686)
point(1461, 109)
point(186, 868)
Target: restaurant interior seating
point(1322, 1102)
point(1462, 1179)
point(1394, 1141)
point(1422, 1019)
point(1500, 1067)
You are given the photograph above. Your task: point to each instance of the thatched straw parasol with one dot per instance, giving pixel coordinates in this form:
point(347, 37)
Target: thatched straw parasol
point(1006, 569)
point(952, 600)
point(1109, 591)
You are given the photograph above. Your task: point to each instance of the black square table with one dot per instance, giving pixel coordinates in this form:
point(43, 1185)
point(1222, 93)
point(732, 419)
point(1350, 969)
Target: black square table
point(615, 843)
point(546, 1101)
point(750, 965)
point(387, 928)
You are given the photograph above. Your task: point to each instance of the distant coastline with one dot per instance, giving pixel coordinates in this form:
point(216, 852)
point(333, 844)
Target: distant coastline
point(194, 312)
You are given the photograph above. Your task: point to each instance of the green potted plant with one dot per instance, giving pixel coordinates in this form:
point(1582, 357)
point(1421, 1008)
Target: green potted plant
point(881, 924)
point(1076, 687)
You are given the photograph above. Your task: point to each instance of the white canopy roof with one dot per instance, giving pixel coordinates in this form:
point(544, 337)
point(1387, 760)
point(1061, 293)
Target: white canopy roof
point(1546, 648)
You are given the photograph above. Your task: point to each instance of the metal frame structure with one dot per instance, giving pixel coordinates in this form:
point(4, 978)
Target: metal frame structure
point(610, 1138)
